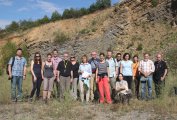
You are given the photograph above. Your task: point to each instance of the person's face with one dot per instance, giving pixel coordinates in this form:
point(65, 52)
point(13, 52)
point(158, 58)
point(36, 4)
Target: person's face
point(135, 59)
point(94, 55)
point(49, 57)
point(102, 57)
point(65, 56)
point(55, 53)
point(159, 57)
point(73, 59)
point(84, 59)
point(19, 53)
point(120, 77)
point(146, 56)
point(127, 57)
point(118, 57)
point(37, 56)
point(109, 54)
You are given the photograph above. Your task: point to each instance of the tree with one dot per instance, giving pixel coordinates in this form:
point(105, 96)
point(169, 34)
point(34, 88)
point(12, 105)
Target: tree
point(55, 16)
point(14, 26)
point(44, 20)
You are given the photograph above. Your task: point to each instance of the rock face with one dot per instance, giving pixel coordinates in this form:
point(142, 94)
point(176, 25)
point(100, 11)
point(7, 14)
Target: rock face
point(129, 24)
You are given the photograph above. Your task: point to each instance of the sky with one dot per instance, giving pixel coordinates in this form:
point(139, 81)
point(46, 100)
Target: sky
point(15, 10)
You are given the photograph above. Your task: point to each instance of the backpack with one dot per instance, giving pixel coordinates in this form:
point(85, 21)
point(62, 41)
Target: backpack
point(7, 70)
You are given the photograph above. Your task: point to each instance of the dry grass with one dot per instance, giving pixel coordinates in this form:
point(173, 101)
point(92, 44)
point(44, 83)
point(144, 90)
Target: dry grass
point(166, 107)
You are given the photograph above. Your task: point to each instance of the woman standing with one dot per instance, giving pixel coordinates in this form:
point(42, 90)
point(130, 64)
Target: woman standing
point(36, 71)
point(85, 71)
point(136, 75)
point(75, 68)
point(48, 76)
point(126, 68)
point(102, 73)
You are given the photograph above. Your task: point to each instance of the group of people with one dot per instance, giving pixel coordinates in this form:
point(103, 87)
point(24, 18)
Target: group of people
point(104, 78)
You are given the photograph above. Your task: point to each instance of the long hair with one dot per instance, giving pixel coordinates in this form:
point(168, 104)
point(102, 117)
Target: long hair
point(36, 60)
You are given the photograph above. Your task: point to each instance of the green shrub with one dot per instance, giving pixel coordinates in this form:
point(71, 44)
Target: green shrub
point(60, 37)
point(84, 31)
point(140, 47)
point(154, 3)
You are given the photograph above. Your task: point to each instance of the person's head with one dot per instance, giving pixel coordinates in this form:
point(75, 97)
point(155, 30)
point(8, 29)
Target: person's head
point(159, 57)
point(120, 76)
point(65, 56)
point(126, 56)
point(146, 56)
point(49, 57)
point(102, 56)
point(55, 53)
point(72, 58)
point(118, 56)
point(94, 55)
point(84, 59)
point(109, 54)
point(37, 58)
point(19, 52)
point(135, 58)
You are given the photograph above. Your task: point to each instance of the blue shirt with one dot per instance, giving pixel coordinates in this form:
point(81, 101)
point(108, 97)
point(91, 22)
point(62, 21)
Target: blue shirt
point(127, 68)
point(112, 67)
point(85, 68)
point(18, 66)
point(94, 63)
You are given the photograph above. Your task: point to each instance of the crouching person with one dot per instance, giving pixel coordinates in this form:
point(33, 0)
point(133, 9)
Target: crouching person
point(123, 94)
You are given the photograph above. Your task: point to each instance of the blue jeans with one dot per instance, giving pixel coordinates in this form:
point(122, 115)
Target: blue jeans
point(16, 82)
point(143, 86)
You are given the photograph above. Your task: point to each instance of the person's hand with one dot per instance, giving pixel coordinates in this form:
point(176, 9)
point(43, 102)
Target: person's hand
point(58, 79)
point(24, 77)
point(133, 77)
point(108, 79)
point(42, 77)
point(96, 79)
point(35, 78)
point(10, 77)
point(162, 78)
point(71, 80)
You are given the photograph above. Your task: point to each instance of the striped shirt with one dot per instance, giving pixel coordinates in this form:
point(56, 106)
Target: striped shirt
point(146, 66)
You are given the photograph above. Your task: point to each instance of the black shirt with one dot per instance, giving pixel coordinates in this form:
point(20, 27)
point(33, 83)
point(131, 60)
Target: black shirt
point(65, 68)
point(75, 69)
point(159, 69)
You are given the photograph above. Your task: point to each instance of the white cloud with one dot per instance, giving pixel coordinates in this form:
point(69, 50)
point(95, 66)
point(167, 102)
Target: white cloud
point(22, 9)
point(3, 23)
point(48, 7)
point(6, 2)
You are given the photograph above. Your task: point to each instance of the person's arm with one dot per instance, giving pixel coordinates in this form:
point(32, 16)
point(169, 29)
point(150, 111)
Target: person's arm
point(32, 71)
point(24, 70)
point(140, 69)
point(42, 71)
point(152, 69)
point(96, 75)
point(58, 72)
point(165, 73)
point(108, 72)
point(10, 68)
point(90, 70)
point(121, 67)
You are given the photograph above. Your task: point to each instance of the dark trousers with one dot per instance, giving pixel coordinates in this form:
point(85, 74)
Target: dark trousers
point(137, 85)
point(159, 86)
point(129, 81)
point(56, 89)
point(36, 86)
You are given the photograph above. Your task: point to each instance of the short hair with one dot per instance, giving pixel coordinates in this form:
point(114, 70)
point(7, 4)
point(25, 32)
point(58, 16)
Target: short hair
point(84, 56)
point(49, 54)
point(146, 54)
point(102, 54)
point(125, 54)
point(55, 50)
point(135, 56)
point(109, 51)
point(19, 49)
point(118, 54)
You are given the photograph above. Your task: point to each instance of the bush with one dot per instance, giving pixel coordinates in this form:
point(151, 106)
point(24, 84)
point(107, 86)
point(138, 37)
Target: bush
point(60, 37)
point(154, 3)
point(84, 31)
point(140, 47)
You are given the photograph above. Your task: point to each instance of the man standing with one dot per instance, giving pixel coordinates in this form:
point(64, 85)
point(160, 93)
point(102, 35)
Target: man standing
point(65, 76)
point(146, 69)
point(55, 61)
point(113, 69)
point(118, 60)
point(94, 62)
point(159, 74)
point(17, 73)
